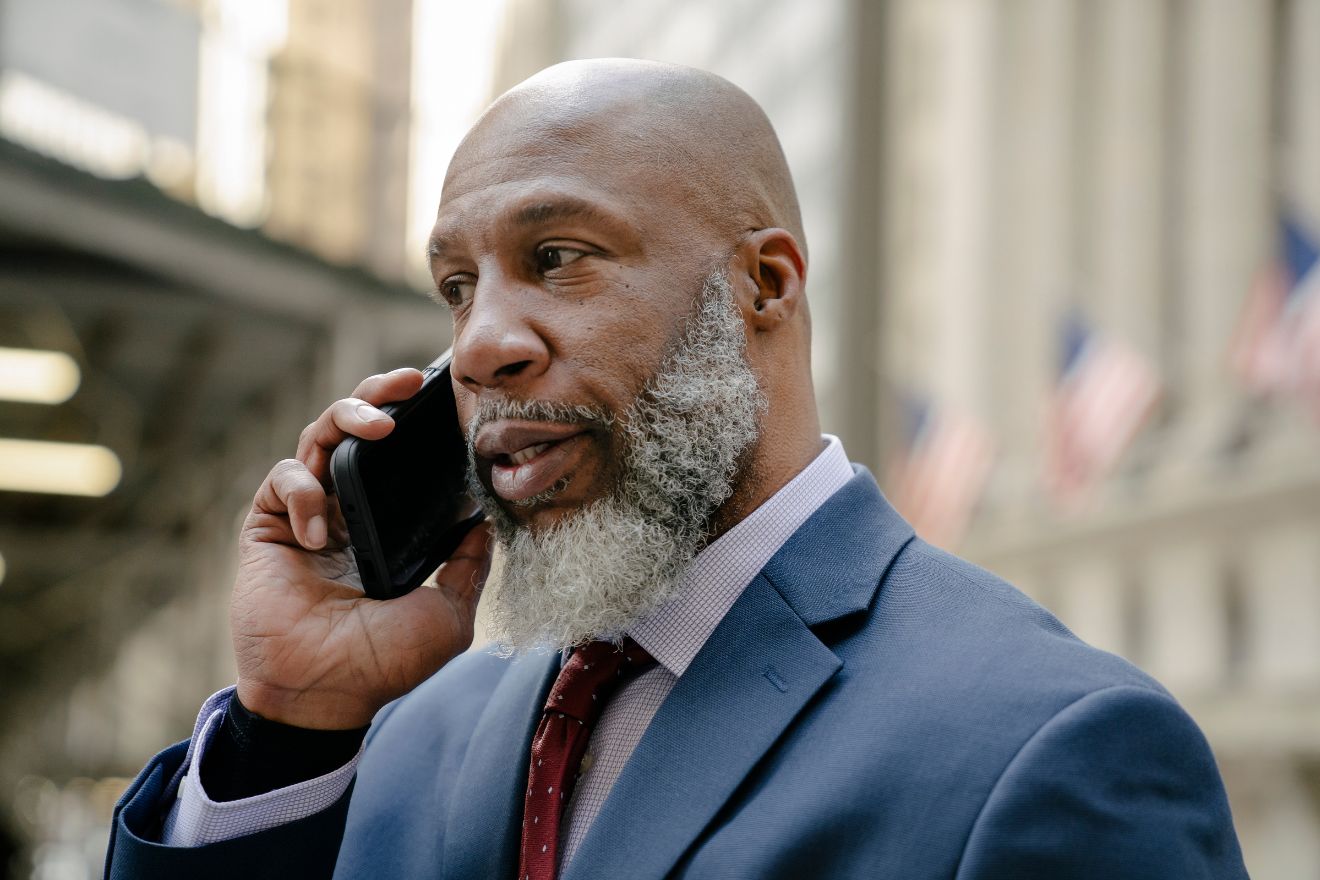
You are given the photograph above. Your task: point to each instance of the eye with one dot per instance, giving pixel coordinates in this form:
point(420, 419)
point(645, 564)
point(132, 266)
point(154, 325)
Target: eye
point(549, 257)
point(456, 290)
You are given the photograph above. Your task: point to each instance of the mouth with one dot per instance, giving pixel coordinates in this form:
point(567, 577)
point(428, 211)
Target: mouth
point(529, 458)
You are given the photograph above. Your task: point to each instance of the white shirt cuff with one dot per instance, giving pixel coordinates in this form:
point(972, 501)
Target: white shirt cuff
point(196, 820)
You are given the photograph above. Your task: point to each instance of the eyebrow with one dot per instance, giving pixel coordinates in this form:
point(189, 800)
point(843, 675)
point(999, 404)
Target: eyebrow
point(540, 213)
point(436, 246)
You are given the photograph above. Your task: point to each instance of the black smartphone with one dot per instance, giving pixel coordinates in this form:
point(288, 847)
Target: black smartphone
point(405, 496)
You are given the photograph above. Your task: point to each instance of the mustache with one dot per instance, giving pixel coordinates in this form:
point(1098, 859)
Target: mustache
point(493, 409)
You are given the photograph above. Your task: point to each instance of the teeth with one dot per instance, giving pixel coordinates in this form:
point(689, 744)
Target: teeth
point(522, 456)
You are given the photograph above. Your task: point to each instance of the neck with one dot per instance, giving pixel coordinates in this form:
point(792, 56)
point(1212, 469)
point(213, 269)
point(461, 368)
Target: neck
point(768, 467)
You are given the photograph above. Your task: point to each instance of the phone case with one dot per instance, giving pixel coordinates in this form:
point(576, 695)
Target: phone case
point(378, 580)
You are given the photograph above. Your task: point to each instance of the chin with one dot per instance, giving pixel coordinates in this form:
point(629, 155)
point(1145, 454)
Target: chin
point(545, 516)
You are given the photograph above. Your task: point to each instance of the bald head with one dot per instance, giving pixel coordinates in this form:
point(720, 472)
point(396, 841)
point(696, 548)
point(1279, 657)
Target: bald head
point(696, 135)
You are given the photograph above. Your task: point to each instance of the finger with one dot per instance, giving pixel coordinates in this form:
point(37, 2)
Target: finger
point(459, 582)
point(356, 416)
point(290, 488)
point(389, 387)
point(350, 417)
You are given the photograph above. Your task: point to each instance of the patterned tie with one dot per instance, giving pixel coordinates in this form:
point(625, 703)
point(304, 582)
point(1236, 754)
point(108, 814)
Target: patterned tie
point(585, 683)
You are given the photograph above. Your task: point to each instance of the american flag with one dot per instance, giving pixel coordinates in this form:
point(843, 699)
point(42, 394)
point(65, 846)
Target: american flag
point(937, 478)
point(1106, 392)
point(1276, 346)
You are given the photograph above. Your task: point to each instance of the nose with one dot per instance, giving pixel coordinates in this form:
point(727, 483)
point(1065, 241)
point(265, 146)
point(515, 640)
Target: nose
point(497, 344)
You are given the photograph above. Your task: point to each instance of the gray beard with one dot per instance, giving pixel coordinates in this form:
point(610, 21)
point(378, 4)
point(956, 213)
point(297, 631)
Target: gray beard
point(599, 570)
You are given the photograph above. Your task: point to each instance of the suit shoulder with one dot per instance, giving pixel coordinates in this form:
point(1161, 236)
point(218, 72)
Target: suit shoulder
point(922, 572)
point(1123, 770)
point(978, 627)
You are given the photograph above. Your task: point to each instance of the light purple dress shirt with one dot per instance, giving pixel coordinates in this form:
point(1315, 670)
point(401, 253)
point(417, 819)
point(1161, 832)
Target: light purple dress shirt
point(673, 635)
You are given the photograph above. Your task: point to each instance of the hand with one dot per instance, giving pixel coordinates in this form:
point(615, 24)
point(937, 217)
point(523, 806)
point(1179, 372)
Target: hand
point(312, 650)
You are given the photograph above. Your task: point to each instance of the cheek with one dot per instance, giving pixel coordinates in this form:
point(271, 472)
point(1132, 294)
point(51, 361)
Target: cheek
point(619, 362)
point(599, 469)
point(620, 344)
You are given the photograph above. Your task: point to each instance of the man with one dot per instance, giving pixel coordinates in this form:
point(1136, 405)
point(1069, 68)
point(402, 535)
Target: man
point(787, 683)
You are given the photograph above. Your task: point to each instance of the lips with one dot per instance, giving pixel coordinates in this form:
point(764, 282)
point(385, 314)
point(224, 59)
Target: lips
point(528, 457)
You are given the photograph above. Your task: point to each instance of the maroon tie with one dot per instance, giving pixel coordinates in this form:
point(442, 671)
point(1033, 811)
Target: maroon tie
point(581, 690)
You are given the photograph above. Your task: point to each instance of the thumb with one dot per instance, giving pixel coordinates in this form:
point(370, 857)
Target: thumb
point(437, 621)
point(465, 572)
point(460, 579)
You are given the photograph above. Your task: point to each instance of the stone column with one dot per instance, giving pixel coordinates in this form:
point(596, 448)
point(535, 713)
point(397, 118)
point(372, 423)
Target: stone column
point(1122, 183)
point(938, 213)
point(1287, 434)
point(1031, 233)
point(1222, 160)
point(1090, 599)
point(1281, 579)
point(1184, 609)
point(1299, 161)
point(386, 193)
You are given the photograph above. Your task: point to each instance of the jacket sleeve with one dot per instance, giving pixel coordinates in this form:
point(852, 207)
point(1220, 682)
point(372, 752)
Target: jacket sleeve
point(300, 850)
point(1121, 783)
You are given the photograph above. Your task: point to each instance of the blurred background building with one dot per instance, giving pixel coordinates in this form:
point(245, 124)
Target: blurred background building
point(1063, 282)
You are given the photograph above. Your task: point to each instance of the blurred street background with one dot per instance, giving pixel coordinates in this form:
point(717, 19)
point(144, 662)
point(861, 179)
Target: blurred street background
point(1064, 281)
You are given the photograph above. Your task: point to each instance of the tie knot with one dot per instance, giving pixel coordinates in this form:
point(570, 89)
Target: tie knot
point(591, 674)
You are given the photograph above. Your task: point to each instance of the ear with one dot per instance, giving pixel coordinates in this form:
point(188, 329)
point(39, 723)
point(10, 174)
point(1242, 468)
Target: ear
point(775, 270)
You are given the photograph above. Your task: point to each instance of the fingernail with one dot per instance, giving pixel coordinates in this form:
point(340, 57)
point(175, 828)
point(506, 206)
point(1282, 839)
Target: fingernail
point(370, 414)
point(316, 531)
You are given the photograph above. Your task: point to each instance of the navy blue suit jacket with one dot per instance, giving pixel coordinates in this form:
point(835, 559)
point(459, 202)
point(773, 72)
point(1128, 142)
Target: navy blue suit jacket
point(870, 707)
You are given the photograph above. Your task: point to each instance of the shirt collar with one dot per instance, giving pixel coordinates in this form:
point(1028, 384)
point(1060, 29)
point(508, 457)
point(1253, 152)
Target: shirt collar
point(717, 576)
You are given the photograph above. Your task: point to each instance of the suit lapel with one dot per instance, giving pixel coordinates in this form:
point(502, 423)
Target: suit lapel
point(754, 675)
point(751, 678)
point(833, 565)
point(483, 830)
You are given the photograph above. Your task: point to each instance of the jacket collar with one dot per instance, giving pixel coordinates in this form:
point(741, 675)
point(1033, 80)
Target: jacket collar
point(675, 632)
point(833, 565)
point(748, 683)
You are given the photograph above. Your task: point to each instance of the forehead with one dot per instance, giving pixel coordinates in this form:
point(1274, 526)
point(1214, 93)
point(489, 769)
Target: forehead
point(511, 206)
point(492, 189)
point(530, 144)
point(525, 174)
